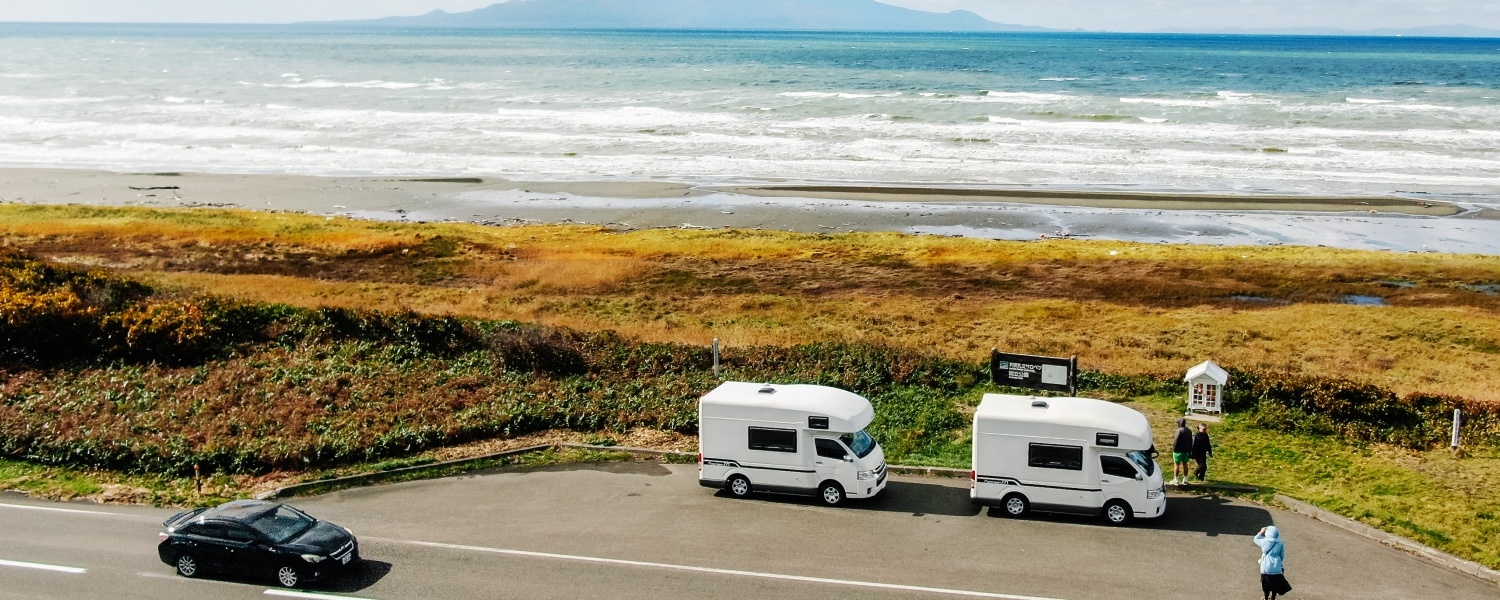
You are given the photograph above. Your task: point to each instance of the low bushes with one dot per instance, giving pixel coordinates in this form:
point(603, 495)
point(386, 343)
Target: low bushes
point(97, 371)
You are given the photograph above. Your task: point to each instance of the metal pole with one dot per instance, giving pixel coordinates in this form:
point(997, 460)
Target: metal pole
point(716, 358)
point(1457, 417)
point(1073, 376)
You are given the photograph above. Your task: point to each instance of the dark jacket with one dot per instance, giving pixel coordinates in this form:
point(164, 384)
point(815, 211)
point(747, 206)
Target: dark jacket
point(1202, 448)
point(1184, 440)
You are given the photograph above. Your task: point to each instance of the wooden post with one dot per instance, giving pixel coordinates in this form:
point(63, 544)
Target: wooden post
point(716, 358)
point(995, 366)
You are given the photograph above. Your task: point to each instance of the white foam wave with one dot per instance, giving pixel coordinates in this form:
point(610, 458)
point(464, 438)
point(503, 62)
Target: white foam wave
point(1058, 79)
point(844, 95)
point(1015, 97)
point(1367, 101)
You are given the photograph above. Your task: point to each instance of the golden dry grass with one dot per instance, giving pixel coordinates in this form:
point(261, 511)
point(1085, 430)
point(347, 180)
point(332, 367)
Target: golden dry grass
point(1143, 309)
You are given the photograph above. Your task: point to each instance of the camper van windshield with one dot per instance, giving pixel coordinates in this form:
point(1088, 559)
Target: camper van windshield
point(860, 443)
point(1147, 465)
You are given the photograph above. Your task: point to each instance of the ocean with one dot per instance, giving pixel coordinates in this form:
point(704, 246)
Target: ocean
point(1236, 114)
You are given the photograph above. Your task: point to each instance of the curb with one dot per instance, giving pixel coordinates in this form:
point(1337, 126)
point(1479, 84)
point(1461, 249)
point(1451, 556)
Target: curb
point(363, 478)
point(627, 449)
point(928, 471)
point(1437, 556)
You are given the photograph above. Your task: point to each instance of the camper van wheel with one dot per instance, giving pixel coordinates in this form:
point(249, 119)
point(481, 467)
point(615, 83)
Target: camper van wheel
point(831, 493)
point(738, 486)
point(1117, 512)
point(1015, 505)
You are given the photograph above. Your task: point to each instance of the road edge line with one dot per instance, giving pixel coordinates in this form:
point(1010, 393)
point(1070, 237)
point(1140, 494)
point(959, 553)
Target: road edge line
point(43, 567)
point(736, 572)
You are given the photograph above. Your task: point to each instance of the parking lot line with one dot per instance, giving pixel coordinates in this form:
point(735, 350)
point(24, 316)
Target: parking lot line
point(717, 571)
point(66, 510)
point(41, 567)
point(297, 594)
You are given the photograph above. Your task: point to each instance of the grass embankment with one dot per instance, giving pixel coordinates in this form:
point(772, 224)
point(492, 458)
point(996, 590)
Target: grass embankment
point(112, 382)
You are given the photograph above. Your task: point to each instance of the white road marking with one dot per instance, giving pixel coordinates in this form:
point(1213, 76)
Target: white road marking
point(637, 563)
point(75, 510)
point(296, 594)
point(42, 567)
point(67, 510)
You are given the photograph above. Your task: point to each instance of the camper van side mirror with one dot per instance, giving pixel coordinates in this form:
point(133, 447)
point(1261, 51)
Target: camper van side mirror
point(1140, 477)
point(848, 458)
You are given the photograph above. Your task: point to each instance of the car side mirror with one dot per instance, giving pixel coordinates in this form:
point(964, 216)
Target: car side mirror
point(1140, 477)
point(848, 459)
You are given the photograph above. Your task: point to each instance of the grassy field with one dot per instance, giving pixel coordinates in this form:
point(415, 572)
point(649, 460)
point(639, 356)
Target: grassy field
point(1122, 307)
point(245, 342)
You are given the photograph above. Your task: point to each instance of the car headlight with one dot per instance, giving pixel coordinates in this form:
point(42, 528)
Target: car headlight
point(866, 474)
point(312, 558)
point(1153, 494)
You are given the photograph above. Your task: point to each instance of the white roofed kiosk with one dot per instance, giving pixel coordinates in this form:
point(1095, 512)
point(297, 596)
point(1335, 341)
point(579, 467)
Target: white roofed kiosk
point(1071, 455)
point(789, 439)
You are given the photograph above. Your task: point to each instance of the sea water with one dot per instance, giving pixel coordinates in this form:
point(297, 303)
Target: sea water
point(1238, 114)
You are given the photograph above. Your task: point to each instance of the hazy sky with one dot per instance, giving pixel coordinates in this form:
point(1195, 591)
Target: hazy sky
point(1117, 15)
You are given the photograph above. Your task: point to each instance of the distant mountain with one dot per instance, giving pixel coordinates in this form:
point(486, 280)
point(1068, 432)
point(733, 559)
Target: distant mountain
point(1428, 31)
point(821, 15)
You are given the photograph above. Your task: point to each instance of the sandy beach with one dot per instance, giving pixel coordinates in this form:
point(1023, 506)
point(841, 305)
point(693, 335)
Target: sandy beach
point(1390, 223)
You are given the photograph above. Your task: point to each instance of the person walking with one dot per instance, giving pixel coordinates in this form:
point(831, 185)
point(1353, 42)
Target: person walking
point(1182, 448)
point(1272, 563)
point(1202, 449)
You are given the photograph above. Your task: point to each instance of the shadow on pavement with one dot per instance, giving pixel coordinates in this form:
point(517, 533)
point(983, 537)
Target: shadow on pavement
point(1209, 514)
point(916, 499)
point(621, 468)
point(360, 576)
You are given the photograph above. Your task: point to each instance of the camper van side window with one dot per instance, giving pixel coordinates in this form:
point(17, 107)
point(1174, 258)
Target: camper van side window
point(774, 440)
point(1049, 456)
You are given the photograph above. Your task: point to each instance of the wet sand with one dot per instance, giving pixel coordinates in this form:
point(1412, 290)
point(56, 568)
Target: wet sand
point(1107, 199)
point(1397, 224)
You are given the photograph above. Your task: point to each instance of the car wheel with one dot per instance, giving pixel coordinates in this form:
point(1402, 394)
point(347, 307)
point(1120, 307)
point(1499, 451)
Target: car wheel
point(1117, 512)
point(288, 576)
point(738, 486)
point(831, 493)
point(187, 566)
point(1015, 505)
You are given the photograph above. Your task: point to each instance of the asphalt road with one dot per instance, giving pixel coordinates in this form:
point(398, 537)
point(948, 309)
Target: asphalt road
point(647, 531)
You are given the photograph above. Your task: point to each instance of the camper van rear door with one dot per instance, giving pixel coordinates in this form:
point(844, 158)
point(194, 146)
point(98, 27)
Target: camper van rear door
point(817, 422)
point(1111, 440)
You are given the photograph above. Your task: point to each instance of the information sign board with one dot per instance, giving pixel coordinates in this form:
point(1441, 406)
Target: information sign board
point(1036, 372)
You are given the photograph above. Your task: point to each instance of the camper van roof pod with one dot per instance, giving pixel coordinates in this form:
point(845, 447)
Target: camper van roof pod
point(846, 411)
point(1086, 415)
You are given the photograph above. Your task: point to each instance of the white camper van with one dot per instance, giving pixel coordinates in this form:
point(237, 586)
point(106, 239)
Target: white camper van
point(790, 439)
point(1074, 455)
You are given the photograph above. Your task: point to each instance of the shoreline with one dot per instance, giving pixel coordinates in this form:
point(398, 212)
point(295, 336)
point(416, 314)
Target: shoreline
point(1398, 224)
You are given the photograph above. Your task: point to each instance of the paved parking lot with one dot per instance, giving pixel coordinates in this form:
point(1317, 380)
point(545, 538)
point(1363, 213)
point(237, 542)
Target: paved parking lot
point(644, 530)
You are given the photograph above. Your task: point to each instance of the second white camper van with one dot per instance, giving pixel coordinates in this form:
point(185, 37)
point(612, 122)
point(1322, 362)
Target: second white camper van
point(1074, 455)
point(790, 439)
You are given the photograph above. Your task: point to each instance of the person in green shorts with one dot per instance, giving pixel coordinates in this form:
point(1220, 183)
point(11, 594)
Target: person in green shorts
point(1182, 451)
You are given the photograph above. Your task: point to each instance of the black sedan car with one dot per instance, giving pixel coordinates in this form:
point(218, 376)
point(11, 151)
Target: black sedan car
point(256, 537)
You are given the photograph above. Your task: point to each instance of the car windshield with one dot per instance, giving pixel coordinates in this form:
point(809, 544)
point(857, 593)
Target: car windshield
point(1147, 465)
point(283, 524)
point(860, 443)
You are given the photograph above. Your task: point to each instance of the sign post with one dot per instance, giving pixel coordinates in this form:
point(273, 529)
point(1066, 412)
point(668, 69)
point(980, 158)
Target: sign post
point(1457, 419)
point(1048, 373)
point(716, 358)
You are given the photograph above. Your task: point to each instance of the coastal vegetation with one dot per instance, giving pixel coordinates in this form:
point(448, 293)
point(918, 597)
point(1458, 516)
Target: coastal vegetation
point(136, 344)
